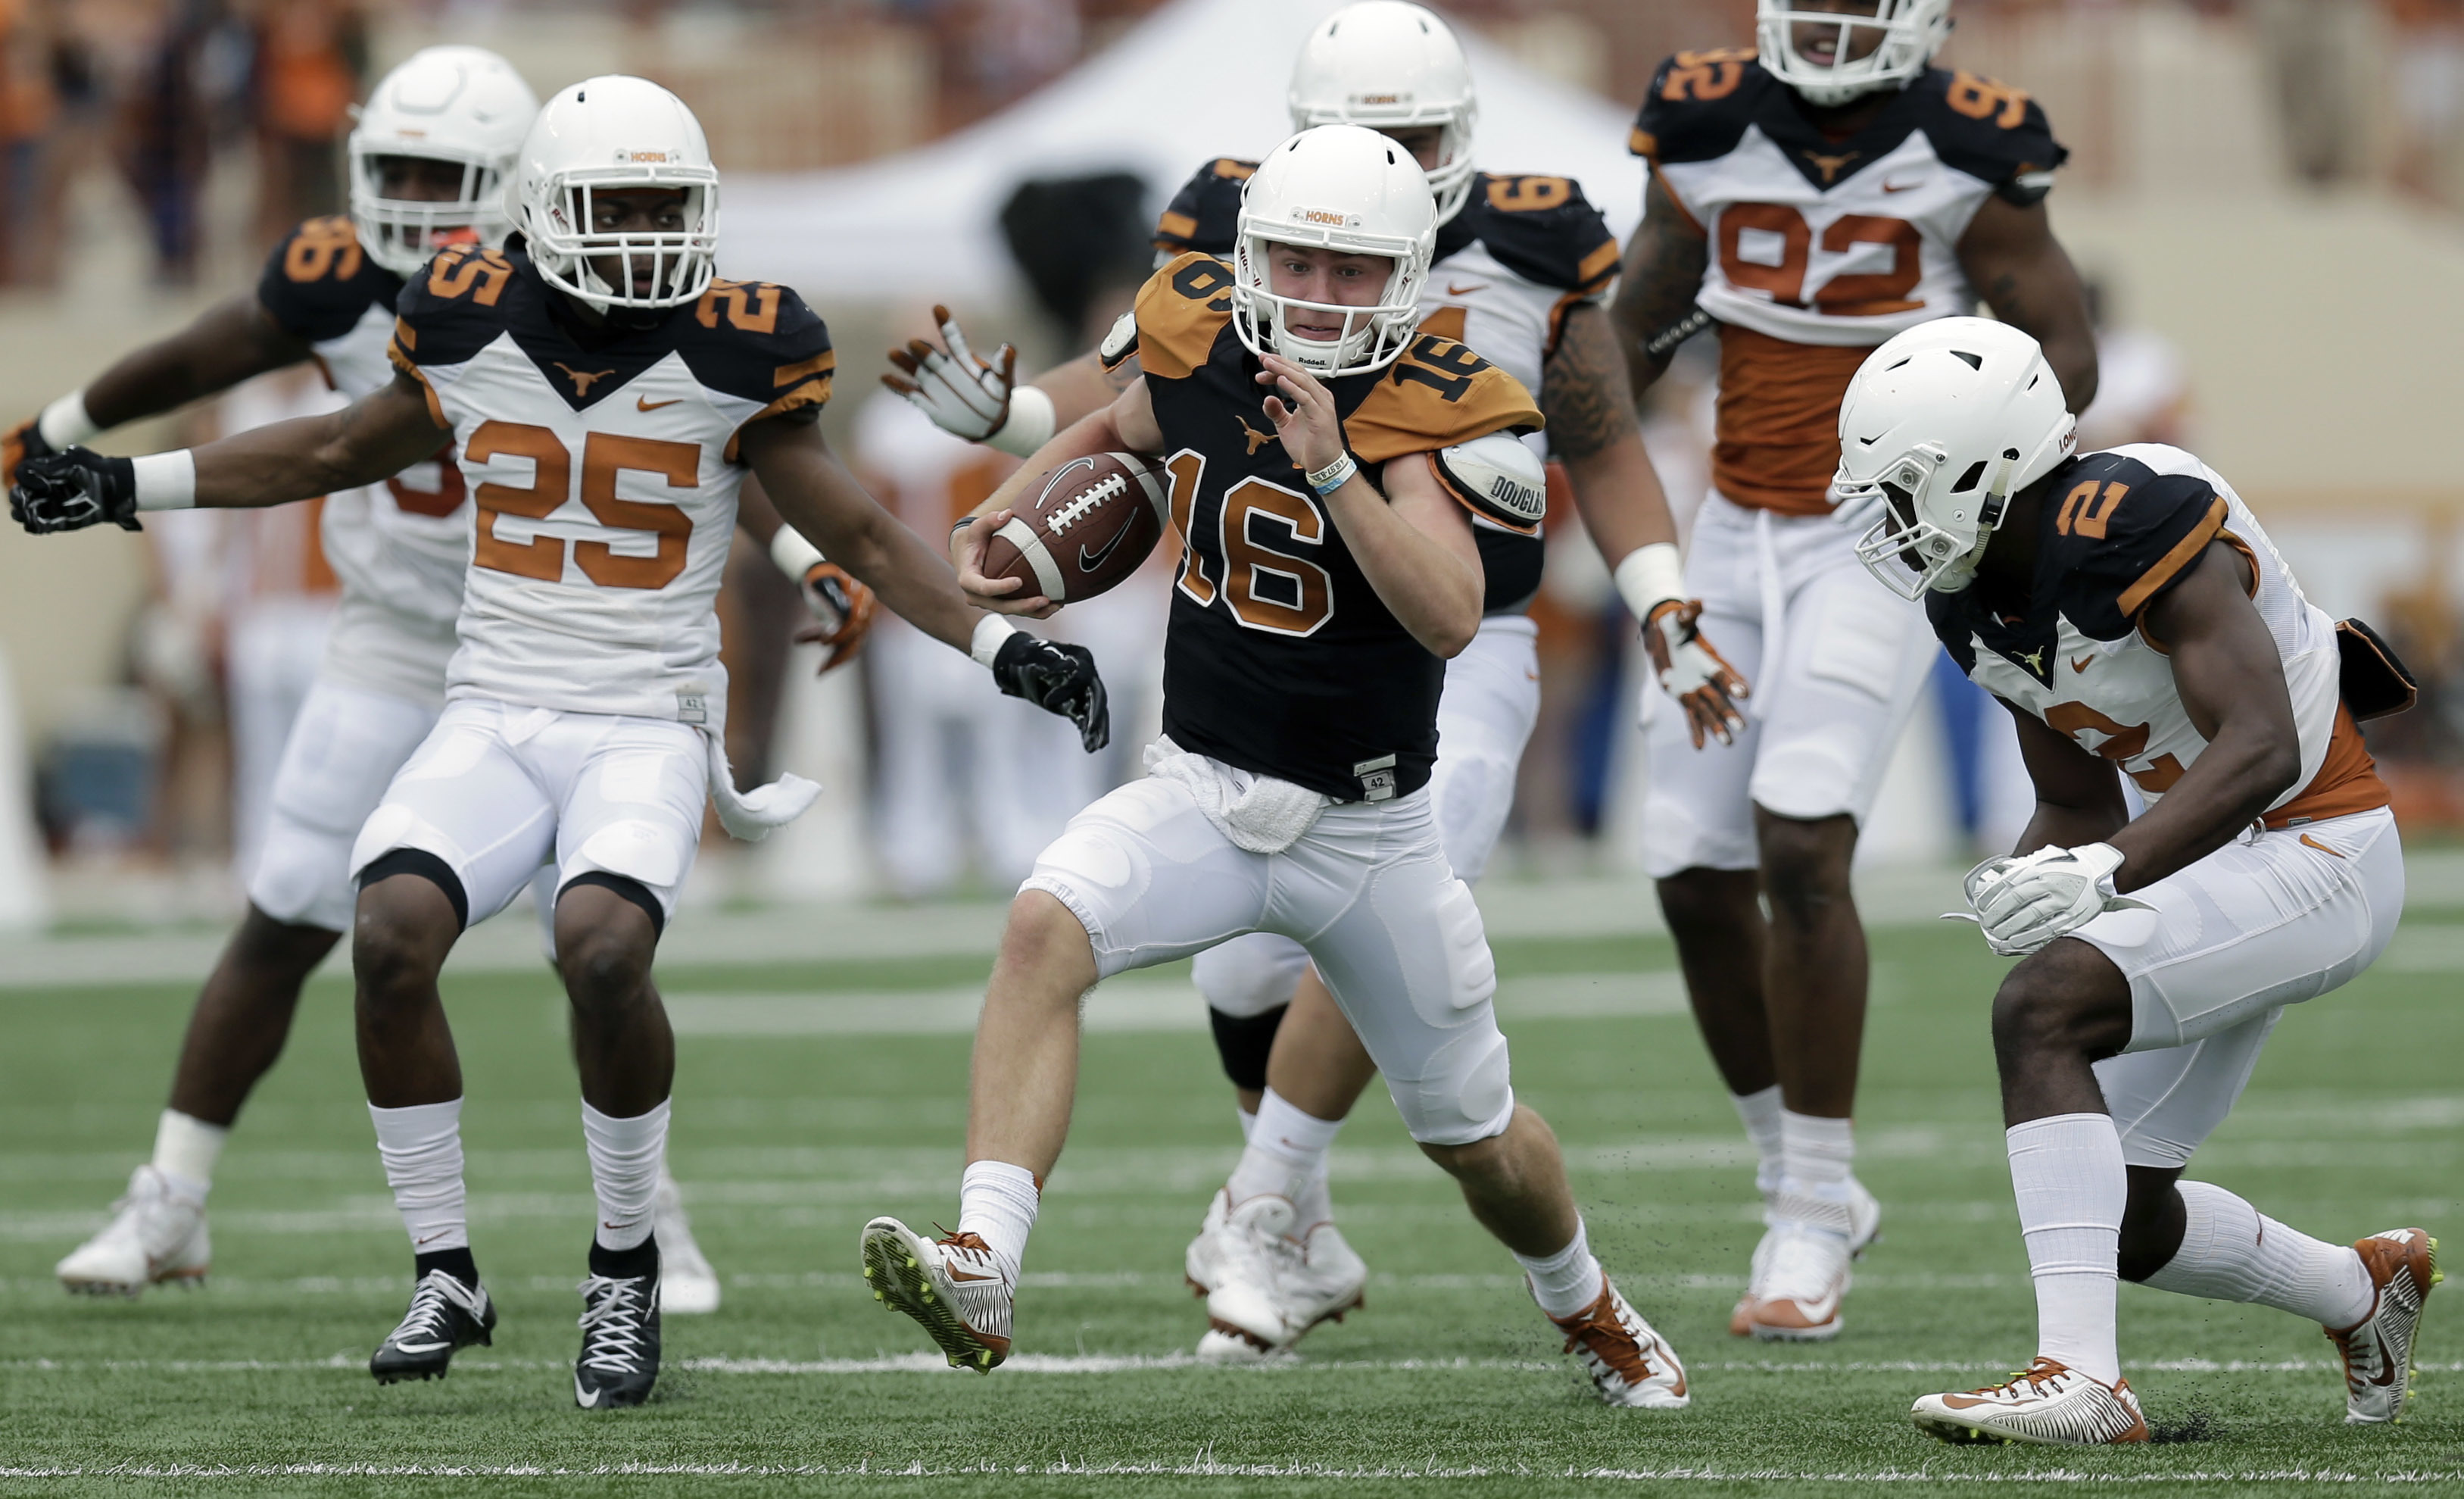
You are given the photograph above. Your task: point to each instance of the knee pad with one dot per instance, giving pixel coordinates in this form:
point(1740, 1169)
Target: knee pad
point(1245, 1041)
point(1249, 975)
point(1466, 1094)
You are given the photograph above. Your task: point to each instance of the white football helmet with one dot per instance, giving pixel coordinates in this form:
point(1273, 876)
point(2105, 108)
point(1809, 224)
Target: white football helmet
point(1389, 65)
point(1912, 32)
point(608, 133)
point(1346, 188)
point(460, 104)
point(1941, 426)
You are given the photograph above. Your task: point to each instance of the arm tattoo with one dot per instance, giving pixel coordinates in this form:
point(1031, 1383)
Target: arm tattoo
point(1583, 388)
point(1123, 375)
point(1664, 272)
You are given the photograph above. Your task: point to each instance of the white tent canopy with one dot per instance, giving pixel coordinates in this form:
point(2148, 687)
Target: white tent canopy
point(1201, 78)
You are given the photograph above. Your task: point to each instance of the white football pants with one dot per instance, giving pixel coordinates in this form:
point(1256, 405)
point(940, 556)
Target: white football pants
point(1493, 698)
point(1367, 893)
point(2264, 922)
point(1834, 661)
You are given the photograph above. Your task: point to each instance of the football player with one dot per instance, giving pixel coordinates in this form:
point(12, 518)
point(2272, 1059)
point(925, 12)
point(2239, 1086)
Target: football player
point(2133, 616)
point(1520, 265)
point(1810, 202)
point(1325, 458)
point(429, 158)
point(605, 394)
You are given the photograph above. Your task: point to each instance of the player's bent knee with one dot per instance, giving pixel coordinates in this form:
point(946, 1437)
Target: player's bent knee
point(604, 949)
point(1465, 1095)
point(1805, 864)
point(410, 909)
point(2067, 998)
point(1043, 933)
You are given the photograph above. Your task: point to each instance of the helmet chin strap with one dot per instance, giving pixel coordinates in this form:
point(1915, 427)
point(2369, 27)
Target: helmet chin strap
point(1989, 518)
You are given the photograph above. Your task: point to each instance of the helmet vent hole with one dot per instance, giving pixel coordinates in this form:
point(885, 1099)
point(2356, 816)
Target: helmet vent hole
point(2033, 378)
point(1902, 364)
point(1968, 480)
point(1974, 361)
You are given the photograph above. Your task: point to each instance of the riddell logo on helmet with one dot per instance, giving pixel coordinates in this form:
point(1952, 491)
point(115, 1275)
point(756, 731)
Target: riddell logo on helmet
point(636, 158)
point(1326, 216)
point(1381, 99)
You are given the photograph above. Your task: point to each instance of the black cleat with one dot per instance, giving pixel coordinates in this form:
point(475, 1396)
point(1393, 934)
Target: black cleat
point(620, 1328)
point(445, 1315)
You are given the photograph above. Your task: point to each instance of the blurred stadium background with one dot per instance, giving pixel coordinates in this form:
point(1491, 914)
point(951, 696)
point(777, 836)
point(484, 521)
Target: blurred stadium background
point(2266, 191)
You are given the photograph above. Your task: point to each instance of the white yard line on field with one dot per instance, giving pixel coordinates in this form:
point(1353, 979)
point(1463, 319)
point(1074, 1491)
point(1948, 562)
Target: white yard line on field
point(1144, 1363)
point(1207, 1466)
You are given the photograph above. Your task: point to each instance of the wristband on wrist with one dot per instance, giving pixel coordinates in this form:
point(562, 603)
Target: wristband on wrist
point(1650, 576)
point(1334, 476)
point(990, 632)
point(65, 423)
point(166, 480)
point(1030, 424)
point(794, 555)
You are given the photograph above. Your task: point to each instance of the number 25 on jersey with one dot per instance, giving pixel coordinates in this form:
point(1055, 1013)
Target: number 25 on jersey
point(603, 455)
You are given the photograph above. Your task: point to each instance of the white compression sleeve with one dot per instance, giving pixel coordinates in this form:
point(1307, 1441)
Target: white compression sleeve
point(1032, 421)
point(1649, 576)
point(65, 423)
point(794, 555)
point(990, 632)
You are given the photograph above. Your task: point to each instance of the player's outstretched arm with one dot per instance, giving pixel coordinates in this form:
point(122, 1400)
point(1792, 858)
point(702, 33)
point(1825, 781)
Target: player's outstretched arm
point(980, 400)
point(815, 494)
point(373, 438)
point(1662, 275)
point(228, 343)
point(2009, 254)
point(2232, 683)
point(1128, 425)
point(1413, 542)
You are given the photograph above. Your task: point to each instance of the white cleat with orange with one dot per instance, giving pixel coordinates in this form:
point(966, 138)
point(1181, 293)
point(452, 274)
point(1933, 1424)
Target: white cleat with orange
point(157, 1235)
point(1801, 1271)
point(2047, 1404)
point(954, 1285)
point(2402, 1265)
point(1275, 1280)
point(1630, 1364)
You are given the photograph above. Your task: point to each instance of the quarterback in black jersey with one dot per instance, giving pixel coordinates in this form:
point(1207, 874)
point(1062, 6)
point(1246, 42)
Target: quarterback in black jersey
point(2132, 615)
point(1519, 269)
point(1328, 567)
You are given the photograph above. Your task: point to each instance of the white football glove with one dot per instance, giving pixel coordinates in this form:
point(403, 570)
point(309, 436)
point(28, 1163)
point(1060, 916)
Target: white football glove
point(2024, 903)
point(1704, 684)
point(969, 397)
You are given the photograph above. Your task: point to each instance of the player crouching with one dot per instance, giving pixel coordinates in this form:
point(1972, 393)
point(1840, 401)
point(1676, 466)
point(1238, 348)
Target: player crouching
point(2130, 611)
point(1330, 570)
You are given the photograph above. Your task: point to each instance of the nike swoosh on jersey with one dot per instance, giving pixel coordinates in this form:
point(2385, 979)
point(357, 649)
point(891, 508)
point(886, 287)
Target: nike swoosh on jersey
point(2082, 663)
point(1902, 187)
point(1453, 290)
point(2320, 846)
point(646, 404)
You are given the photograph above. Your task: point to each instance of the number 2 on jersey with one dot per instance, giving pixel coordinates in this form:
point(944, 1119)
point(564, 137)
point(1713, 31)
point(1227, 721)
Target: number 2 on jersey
point(1267, 589)
point(603, 455)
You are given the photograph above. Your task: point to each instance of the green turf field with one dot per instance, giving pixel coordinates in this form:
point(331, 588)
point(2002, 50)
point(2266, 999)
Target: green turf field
point(789, 1139)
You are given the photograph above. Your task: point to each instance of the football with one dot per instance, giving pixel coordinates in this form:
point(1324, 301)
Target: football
point(1088, 525)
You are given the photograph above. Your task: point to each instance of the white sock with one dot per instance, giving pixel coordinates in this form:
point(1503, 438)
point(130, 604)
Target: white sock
point(624, 1156)
point(2068, 1176)
point(1568, 1281)
point(1760, 1114)
point(1286, 1152)
point(186, 1150)
point(1816, 1154)
point(997, 1202)
point(2230, 1252)
point(421, 1147)
point(1248, 1121)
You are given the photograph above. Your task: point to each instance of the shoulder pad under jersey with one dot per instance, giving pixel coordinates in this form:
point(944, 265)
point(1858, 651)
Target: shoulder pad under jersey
point(1179, 313)
point(1698, 105)
point(1990, 130)
point(1542, 229)
point(757, 341)
point(1498, 477)
point(1438, 393)
point(455, 306)
point(1205, 213)
point(319, 283)
point(2122, 535)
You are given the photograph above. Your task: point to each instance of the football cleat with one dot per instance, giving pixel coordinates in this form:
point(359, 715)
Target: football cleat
point(1630, 1364)
point(1805, 1318)
point(2402, 1265)
point(620, 1340)
point(952, 1284)
point(1276, 1282)
point(157, 1234)
point(445, 1315)
point(2048, 1403)
point(687, 1286)
point(1201, 1265)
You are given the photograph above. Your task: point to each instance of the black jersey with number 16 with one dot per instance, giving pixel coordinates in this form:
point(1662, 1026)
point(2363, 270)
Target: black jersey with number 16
point(1280, 658)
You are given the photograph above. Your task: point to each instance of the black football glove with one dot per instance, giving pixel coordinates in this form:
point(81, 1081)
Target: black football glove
point(1057, 678)
point(72, 490)
point(24, 441)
